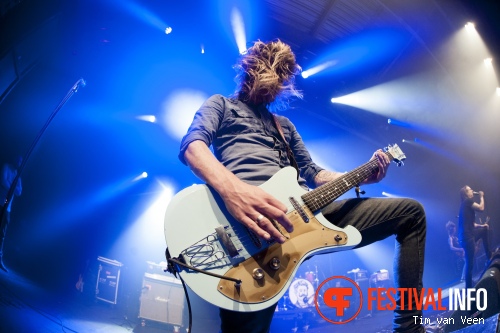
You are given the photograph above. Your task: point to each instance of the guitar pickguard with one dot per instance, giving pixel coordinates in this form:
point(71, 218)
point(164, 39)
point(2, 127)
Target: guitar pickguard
point(305, 238)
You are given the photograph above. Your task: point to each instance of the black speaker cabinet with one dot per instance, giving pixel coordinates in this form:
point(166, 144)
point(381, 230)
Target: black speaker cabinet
point(162, 299)
point(490, 280)
point(108, 279)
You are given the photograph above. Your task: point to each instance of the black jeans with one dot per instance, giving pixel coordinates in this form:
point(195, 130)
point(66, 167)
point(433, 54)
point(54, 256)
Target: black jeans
point(376, 219)
point(469, 245)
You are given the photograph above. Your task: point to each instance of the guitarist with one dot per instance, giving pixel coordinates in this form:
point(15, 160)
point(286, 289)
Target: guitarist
point(248, 149)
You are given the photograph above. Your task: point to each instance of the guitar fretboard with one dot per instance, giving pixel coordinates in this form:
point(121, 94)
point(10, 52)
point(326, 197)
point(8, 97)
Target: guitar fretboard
point(326, 193)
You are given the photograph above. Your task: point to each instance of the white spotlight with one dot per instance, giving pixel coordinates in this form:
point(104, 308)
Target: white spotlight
point(488, 62)
point(238, 30)
point(141, 176)
point(319, 68)
point(149, 118)
point(498, 91)
point(470, 26)
point(179, 109)
point(202, 49)
point(168, 30)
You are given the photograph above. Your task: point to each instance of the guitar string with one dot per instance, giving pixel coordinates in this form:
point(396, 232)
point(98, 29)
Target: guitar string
point(326, 193)
point(315, 200)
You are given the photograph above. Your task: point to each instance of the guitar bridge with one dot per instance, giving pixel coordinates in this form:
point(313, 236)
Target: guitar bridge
point(226, 241)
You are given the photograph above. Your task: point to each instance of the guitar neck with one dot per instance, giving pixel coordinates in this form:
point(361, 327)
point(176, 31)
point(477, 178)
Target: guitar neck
point(326, 193)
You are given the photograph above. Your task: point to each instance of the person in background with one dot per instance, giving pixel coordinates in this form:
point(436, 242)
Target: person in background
point(469, 232)
point(9, 173)
point(456, 249)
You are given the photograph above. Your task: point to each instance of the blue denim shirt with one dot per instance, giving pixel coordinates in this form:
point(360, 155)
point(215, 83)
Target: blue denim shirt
point(245, 140)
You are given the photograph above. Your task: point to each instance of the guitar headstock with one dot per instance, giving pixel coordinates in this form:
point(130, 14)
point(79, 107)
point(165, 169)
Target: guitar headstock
point(396, 153)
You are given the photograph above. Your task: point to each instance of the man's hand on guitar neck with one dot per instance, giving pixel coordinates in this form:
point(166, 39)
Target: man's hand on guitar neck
point(383, 164)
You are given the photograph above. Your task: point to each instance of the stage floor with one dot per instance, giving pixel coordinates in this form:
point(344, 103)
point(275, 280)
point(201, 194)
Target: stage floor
point(26, 307)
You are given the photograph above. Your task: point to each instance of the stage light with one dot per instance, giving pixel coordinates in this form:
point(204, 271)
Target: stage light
point(342, 99)
point(498, 91)
point(238, 30)
point(179, 109)
point(399, 123)
point(149, 118)
point(390, 195)
point(141, 176)
point(142, 13)
point(470, 26)
point(409, 141)
point(202, 49)
point(488, 62)
point(316, 69)
point(168, 30)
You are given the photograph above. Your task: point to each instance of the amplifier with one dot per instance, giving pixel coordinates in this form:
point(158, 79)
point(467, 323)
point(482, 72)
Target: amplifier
point(108, 279)
point(358, 274)
point(162, 299)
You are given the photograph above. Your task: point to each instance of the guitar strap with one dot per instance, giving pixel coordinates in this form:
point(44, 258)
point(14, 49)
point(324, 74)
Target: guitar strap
point(289, 151)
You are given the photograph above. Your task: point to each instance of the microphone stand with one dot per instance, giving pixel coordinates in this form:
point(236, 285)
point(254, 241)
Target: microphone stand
point(80, 83)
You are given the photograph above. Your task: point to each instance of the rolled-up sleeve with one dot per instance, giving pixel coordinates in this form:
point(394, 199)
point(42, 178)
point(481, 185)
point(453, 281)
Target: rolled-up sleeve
point(205, 124)
point(308, 169)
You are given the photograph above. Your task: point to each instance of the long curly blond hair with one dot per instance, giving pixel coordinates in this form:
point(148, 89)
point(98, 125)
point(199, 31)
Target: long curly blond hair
point(266, 74)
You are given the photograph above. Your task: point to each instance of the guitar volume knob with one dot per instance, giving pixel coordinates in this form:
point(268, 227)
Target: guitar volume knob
point(275, 263)
point(258, 273)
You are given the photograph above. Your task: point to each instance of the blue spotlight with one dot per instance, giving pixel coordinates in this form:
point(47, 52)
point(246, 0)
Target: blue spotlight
point(411, 142)
point(168, 30)
point(399, 123)
point(364, 49)
point(142, 13)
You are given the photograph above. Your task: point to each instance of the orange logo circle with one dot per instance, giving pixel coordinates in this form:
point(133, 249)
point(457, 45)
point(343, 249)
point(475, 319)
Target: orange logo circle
point(335, 297)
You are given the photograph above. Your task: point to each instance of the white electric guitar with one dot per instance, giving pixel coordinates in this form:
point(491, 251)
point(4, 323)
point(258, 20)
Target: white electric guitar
point(249, 273)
